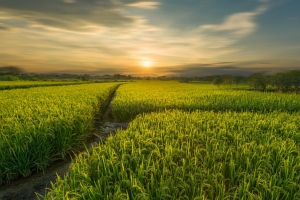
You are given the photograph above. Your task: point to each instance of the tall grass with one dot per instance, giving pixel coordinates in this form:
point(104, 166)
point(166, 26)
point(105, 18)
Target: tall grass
point(148, 96)
point(198, 155)
point(41, 125)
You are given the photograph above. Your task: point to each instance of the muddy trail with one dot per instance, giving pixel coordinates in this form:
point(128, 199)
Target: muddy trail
point(39, 182)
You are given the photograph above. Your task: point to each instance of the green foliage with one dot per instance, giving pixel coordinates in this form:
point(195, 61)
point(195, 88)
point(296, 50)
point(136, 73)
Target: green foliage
point(4, 85)
point(41, 125)
point(258, 81)
point(9, 78)
point(218, 81)
point(295, 79)
point(238, 79)
point(198, 155)
point(228, 80)
point(282, 81)
point(150, 96)
point(84, 77)
point(223, 144)
point(286, 81)
point(30, 78)
point(185, 80)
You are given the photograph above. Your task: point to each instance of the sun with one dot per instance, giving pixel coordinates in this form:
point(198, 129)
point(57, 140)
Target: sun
point(146, 63)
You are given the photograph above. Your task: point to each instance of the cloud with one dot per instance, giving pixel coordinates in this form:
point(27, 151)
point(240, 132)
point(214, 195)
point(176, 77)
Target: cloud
point(106, 35)
point(264, 1)
point(199, 70)
point(265, 63)
point(145, 5)
point(231, 30)
point(189, 70)
point(196, 70)
point(72, 15)
point(69, 1)
point(5, 28)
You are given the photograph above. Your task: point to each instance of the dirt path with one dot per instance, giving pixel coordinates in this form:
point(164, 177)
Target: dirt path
point(26, 188)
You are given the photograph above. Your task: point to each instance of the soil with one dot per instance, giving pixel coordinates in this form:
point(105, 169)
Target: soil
point(39, 182)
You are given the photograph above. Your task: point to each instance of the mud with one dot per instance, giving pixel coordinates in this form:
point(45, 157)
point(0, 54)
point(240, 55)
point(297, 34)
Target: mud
point(38, 183)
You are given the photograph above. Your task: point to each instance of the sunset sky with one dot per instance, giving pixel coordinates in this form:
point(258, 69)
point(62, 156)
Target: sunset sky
point(180, 37)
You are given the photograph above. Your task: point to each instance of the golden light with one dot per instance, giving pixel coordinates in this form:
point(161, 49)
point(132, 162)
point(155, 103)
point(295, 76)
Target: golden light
point(147, 63)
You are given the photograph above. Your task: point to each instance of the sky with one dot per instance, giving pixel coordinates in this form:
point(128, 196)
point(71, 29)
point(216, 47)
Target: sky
point(167, 37)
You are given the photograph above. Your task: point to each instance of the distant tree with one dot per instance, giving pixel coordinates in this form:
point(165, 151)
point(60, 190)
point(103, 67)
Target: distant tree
point(276, 81)
point(218, 81)
point(85, 77)
point(184, 80)
point(238, 80)
point(286, 82)
point(258, 81)
point(228, 80)
point(117, 76)
point(10, 70)
point(282, 81)
point(295, 79)
point(9, 78)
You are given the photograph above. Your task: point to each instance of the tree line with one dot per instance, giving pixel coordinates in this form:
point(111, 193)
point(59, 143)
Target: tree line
point(288, 81)
point(10, 70)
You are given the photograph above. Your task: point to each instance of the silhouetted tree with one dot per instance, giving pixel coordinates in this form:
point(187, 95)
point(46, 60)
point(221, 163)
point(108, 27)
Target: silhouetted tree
point(282, 81)
point(228, 80)
point(85, 77)
point(184, 80)
point(295, 79)
point(238, 80)
point(258, 81)
point(218, 81)
point(10, 70)
point(117, 76)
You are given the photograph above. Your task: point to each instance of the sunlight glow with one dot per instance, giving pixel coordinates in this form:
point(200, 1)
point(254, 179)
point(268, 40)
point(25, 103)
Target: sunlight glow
point(146, 63)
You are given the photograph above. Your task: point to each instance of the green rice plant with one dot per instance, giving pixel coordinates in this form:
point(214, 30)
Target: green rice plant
point(191, 155)
point(5, 85)
point(148, 96)
point(41, 125)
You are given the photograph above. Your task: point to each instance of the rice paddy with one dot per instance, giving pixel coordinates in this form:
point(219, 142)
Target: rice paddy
point(184, 141)
point(41, 125)
point(198, 155)
point(7, 85)
point(140, 97)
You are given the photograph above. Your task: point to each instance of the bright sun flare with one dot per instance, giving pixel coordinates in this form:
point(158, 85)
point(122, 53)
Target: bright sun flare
point(146, 63)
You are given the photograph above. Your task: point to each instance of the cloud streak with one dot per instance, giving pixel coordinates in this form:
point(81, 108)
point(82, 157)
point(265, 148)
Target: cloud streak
point(189, 70)
point(239, 24)
point(231, 30)
point(4, 28)
point(72, 15)
point(145, 5)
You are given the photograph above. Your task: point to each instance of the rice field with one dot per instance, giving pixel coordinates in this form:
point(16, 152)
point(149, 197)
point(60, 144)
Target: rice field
point(41, 125)
point(8, 85)
point(150, 96)
point(184, 141)
point(197, 155)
